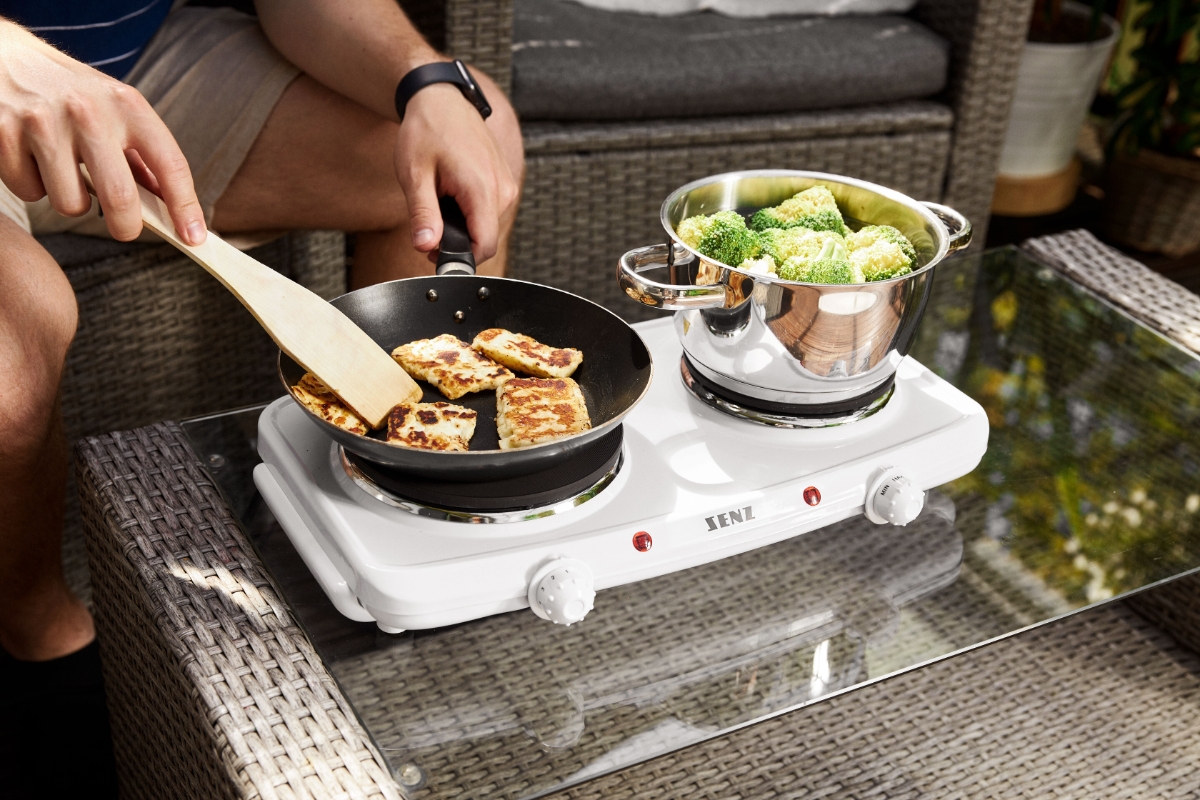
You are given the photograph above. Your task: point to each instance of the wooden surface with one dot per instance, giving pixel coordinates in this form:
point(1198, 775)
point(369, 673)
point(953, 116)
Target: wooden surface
point(314, 333)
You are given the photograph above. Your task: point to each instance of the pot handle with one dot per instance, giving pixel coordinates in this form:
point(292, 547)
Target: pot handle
point(454, 253)
point(958, 226)
point(665, 296)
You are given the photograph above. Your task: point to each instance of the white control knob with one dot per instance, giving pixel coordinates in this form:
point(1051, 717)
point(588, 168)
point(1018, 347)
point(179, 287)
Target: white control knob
point(893, 498)
point(562, 591)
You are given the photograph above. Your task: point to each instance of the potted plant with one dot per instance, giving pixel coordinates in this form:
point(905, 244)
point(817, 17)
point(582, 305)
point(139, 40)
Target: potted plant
point(1152, 200)
point(1068, 47)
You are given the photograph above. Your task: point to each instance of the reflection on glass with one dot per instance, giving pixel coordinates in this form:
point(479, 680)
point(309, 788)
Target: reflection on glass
point(1089, 489)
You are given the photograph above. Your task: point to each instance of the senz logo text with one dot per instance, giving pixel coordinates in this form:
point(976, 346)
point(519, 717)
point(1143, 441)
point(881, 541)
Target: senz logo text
point(729, 518)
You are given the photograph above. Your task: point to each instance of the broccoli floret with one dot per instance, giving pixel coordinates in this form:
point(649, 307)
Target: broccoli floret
point(881, 261)
point(764, 264)
point(830, 266)
point(867, 236)
point(728, 240)
point(813, 208)
point(824, 221)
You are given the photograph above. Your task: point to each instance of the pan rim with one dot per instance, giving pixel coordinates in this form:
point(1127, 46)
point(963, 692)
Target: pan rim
point(450, 454)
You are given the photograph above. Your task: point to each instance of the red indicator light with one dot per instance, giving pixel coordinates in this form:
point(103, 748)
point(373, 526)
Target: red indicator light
point(642, 541)
point(812, 495)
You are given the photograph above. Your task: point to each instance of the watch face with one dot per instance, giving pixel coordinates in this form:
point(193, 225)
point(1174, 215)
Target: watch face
point(472, 92)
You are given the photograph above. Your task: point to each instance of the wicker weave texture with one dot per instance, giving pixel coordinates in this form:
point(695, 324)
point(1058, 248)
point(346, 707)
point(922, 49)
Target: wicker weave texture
point(1153, 203)
point(581, 210)
point(1145, 295)
point(986, 39)
point(480, 33)
point(214, 689)
point(158, 332)
point(1100, 705)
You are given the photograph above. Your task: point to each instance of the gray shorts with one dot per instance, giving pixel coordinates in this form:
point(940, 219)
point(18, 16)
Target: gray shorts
point(213, 77)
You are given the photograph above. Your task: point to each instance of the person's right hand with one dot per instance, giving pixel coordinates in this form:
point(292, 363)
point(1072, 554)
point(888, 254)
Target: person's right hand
point(56, 113)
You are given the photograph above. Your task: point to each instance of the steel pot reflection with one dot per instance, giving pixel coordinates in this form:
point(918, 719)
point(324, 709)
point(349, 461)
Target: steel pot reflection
point(785, 342)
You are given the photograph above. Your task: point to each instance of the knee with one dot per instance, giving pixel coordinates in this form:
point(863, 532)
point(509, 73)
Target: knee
point(38, 319)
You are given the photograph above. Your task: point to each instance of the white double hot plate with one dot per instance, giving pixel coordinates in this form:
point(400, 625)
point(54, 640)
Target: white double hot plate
point(692, 485)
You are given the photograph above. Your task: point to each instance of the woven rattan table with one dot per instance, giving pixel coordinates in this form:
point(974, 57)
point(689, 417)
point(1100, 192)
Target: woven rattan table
point(231, 675)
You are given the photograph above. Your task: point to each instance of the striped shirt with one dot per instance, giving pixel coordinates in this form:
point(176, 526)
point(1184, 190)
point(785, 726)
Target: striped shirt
point(106, 34)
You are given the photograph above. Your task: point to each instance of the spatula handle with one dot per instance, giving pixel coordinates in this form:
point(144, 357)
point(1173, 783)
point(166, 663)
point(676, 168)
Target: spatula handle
point(308, 329)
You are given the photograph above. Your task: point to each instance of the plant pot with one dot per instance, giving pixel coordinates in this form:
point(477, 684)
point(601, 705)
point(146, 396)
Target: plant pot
point(1055, 87)
point(1153, 203)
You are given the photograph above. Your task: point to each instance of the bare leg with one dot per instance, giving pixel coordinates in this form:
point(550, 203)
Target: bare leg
point(323, 161)
point(39, 617)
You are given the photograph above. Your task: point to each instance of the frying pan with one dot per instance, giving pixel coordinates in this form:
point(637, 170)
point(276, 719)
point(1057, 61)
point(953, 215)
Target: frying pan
point(613, 377)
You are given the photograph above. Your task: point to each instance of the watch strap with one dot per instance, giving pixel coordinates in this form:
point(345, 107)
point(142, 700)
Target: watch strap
point(454, 72)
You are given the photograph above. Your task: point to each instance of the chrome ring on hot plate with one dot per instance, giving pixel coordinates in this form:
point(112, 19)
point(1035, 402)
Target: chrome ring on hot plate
point(477, 517)
point(777, 420)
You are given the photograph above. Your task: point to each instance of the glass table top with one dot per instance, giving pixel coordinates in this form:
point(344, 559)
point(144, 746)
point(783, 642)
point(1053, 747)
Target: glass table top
point(1088, 491)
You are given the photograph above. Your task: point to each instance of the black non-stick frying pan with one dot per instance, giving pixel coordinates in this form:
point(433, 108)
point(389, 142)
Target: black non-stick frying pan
point(614, 376)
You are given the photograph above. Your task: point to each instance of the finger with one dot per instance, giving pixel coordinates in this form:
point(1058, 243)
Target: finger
point(142, 173)
point(159, 152)
point(115, 188)
point(420, 192)
point(58, 167)
point(18, 170)
point(478, 204)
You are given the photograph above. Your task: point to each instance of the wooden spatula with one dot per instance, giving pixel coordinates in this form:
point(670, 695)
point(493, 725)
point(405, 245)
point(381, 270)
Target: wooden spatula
point(315, 334)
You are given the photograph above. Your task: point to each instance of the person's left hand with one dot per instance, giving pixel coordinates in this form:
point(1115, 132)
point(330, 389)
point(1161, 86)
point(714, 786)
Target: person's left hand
point(446, 148)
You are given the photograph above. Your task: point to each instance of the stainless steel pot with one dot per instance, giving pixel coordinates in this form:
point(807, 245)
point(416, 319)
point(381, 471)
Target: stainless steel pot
point(784, 342)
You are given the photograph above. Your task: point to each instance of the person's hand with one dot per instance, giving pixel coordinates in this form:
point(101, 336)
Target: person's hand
point(56, 113)
point(445, 148)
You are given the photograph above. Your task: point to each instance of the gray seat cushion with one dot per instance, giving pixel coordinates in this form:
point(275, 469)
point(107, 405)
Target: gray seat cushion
point(571, 62)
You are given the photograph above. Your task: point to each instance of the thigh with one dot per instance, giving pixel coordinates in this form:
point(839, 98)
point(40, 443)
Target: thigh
point(37, 323)
point(324, 161)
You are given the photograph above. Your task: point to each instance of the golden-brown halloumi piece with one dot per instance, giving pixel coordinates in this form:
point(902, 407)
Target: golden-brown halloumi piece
point(451, 365)
point(431, 426)
point(526, 354)
point(314, 395)
point(530, 411)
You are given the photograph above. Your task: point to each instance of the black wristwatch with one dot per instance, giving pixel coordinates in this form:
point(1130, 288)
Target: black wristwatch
point(454, 72)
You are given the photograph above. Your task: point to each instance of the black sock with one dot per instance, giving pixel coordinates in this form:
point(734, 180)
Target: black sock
point(54, 735)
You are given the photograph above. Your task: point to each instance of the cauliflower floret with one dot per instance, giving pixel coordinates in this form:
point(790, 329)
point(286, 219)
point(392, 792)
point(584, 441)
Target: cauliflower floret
point(814, 208)
point(871, 234)
point(784, 243)
point(881, 260)
point(692, 228)
point(764, 265)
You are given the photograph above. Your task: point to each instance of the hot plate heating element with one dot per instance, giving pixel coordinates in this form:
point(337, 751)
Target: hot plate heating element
point(690, 485)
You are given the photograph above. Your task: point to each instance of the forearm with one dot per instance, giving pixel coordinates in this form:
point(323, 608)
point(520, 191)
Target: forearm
point(359, 49)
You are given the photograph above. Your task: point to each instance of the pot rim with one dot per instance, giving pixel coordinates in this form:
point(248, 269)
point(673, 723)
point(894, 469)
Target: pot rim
point(941, 235)
point(1081, 9)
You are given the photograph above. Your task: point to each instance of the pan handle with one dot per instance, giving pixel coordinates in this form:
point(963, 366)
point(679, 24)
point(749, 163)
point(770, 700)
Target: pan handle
point(454, 255)
point(958, 226)
point(665, 296)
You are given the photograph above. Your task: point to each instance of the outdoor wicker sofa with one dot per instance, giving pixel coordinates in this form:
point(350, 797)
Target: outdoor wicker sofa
point(215, 691)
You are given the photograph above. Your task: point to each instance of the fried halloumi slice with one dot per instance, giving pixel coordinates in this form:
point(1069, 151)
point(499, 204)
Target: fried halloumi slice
point(526, 354)
point(451, 365)
point(314, 395)
point(530, 411)
point(431, 426)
